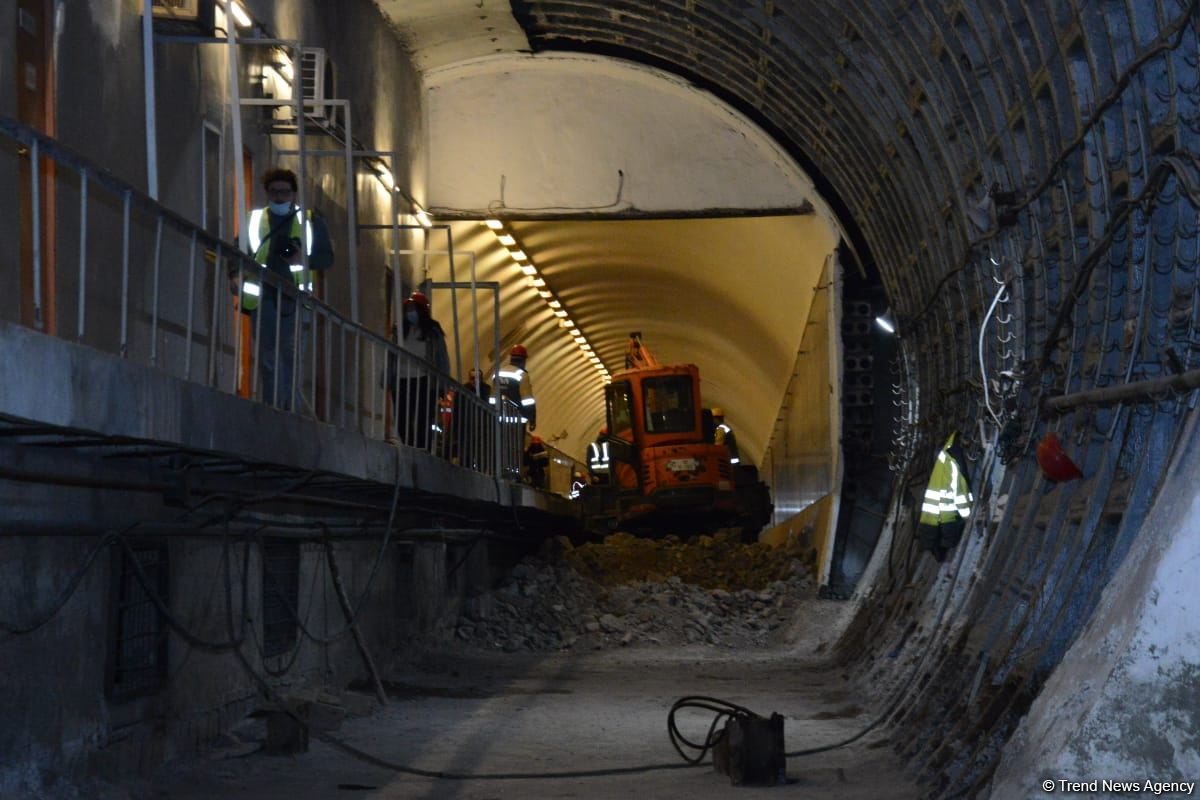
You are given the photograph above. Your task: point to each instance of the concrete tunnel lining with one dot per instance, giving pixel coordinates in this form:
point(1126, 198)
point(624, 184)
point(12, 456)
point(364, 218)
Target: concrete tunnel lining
point(908, 115)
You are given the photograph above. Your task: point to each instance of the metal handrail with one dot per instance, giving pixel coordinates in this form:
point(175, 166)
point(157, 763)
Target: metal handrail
point(327, 351)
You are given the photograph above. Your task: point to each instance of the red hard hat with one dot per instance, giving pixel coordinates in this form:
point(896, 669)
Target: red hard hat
point(518, 351)
point(1054, 461)
point(536, 440)
point(418, 299)
point(603, 430)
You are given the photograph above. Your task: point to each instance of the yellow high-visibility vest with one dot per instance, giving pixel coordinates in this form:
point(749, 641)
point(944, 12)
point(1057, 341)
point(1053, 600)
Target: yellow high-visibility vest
point(259, 230)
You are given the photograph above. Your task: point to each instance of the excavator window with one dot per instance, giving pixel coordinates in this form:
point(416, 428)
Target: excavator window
point(669, 406)
point(620, 411)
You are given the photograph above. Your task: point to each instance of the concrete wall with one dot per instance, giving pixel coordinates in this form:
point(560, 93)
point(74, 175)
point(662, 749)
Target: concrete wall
point(100, 115)
point(558, 128)
point(58, 722)
point(59, 725)
point(1124, 703)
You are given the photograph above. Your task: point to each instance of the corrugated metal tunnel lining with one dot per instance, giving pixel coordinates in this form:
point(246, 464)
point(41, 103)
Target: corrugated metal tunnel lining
point(908, 114)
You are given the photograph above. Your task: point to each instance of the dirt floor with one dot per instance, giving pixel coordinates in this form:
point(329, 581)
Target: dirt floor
point(472, 711)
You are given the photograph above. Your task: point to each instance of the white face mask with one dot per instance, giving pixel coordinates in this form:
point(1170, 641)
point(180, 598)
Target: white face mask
point(410, 317)
point(279, 208)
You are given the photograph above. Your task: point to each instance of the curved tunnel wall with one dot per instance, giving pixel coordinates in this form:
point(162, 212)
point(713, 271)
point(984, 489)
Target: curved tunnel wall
point(907, 114)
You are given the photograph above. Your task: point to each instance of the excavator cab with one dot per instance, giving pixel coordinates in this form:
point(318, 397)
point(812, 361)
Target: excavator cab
point(666, 473)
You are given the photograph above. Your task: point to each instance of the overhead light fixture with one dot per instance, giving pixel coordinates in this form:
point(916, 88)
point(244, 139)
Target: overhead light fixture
point(567, 323)
point(494, 224)
point(239, 14)
point(537, 283)
point(424, 219)
point(886, 321)
point(506, 239)
point(528, 269)
point(585, 347)
point(555, 304)
point(542, 293)
point(580, 340)
point(560, 313)
point(518, 255)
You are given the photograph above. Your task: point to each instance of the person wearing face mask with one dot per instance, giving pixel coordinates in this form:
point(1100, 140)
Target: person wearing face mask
point(282, 238)
point(416, 389)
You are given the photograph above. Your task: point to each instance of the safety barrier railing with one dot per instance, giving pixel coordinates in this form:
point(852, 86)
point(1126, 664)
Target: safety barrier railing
point(155, 288)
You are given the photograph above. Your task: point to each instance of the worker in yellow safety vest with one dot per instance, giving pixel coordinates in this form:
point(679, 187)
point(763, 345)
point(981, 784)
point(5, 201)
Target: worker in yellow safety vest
point(281, 237)
point(598, 460)
point(723, 434)
point(947, 502)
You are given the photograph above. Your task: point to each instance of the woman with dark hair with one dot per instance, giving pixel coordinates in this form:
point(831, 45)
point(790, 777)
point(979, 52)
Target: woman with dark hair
point(416, 389)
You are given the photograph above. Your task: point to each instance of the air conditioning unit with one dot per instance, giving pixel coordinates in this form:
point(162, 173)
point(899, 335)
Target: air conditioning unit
point(318, 78)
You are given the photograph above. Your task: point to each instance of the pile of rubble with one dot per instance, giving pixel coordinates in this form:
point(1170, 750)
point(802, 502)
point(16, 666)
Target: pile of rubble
point(627, 591)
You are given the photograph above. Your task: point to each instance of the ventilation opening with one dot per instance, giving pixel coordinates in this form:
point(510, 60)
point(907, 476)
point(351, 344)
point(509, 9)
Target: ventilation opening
point(281, 594)
point(138, 646)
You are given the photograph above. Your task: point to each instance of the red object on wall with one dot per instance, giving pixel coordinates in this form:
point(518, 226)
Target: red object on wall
point(1054, 461)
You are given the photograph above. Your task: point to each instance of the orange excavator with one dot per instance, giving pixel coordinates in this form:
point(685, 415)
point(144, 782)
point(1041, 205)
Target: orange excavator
point(667, 475)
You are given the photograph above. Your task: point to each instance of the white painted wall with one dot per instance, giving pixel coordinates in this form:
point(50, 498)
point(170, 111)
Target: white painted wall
point(559, 127)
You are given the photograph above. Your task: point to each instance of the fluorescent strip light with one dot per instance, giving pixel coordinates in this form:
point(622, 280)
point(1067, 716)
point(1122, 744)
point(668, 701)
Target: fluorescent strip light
point(560, 313)
point(537, 283)
point(585, 347)
point(543, 293)
point(494, 224)
point(506, 239)
point(385, 177)
point(424, 219)
point(566, 323)
point(518, 255)
point(580, 340)
point(239, 15)
point(528, 269)
point(555, 304)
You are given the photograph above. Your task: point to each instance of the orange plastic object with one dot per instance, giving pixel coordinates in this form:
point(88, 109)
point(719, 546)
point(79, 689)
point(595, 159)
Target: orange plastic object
point(1054, 461)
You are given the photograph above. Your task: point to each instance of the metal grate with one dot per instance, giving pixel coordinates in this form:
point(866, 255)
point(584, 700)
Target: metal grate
point(139, 651)
point(281, 592)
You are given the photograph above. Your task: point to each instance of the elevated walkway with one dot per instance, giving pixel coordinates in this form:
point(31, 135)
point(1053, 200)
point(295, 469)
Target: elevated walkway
point(71, 415)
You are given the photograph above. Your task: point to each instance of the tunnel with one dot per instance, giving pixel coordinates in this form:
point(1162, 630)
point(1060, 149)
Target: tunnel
point(935, 261)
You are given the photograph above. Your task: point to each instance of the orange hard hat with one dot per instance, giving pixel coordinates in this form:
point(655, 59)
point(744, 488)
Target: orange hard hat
point(1054, 461)
point(518, 351)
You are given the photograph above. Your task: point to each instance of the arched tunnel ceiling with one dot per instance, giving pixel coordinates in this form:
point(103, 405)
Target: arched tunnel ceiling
point(730, 295)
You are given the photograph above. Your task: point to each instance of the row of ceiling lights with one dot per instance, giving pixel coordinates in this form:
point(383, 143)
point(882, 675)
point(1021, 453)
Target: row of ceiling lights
point(535, 281)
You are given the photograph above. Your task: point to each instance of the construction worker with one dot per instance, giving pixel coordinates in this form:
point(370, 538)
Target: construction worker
point(278, 236)
point(946, 504)
point(598, 461)
point(415, 386)
point(537, 460)
point(723, 434)
point(515, 385)
point(518, 409)
point(472, 435)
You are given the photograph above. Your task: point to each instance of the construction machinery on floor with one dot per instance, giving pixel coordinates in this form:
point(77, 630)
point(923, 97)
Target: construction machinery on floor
point(666, 474)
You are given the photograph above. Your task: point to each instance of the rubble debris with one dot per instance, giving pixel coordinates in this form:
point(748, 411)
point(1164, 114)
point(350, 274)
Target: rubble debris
point(713, 591)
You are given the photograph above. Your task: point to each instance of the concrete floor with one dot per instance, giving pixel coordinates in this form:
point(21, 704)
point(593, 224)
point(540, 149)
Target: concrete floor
point(471, 712)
